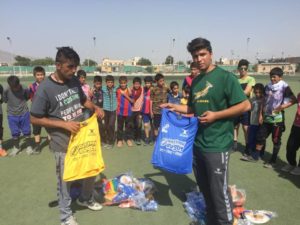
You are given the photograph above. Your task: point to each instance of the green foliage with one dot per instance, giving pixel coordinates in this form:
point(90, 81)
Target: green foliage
point(144, 62)
point(169, 60)
point(48, 61)
point(22, 61)
point(180, 63)
point(89, 62)
point(149, 69)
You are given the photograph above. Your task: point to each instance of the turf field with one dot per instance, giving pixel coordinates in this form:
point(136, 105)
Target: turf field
point(28, 184)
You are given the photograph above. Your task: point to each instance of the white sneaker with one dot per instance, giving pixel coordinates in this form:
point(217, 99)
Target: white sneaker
point(70, 221)
point(287, 168)
point(91, 204)
point(295, 171)
point(14, 151)
point(29, 150)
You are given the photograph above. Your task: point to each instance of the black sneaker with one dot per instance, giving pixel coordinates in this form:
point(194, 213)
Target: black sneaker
point(37, 149)
point(138, 142)
point(146, 142)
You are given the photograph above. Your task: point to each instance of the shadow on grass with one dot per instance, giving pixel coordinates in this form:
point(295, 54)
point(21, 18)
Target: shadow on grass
point(177, 184)
point(279, 164)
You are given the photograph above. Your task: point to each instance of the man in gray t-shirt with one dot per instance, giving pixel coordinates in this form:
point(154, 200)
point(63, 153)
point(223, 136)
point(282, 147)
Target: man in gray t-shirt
point(57, 105)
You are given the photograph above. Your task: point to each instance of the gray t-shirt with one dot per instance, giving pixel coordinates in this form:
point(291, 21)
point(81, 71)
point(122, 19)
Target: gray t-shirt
point(1, 98)
point(16, 101)
point(58, 101)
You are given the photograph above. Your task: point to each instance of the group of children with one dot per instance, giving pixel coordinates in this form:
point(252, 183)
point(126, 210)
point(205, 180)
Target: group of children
point(130, 107)
point(267, 117)
point(137, 106)
point(18, 116)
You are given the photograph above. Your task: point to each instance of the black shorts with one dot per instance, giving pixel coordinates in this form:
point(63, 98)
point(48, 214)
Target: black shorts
point(243, 119)
point(266, 129)
point(36, 130)
point(156, 120)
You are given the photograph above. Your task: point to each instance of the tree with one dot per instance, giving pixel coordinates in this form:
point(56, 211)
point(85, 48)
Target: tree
point(144, 62)
point(43, 62)
point(89, 62)
point(169, 60)
point(149, 69)
point(180, 63)
point(22, 61)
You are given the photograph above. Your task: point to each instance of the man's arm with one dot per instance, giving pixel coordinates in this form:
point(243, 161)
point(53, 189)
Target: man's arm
point(71, 126)
point(233, 111)
point(185, 109)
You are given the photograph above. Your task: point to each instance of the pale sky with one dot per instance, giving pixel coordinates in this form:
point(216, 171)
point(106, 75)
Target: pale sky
point(152, 29)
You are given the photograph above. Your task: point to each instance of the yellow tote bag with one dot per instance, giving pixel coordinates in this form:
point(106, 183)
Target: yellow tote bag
point(84, 155)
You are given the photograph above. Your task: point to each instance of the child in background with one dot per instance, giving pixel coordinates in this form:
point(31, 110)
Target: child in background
point(195, 71)
point(138, 97)
point(158, 96)
point(81, 74)
point(109, 107)
point(174, 96)
point(255, 122)
point(124, 113)
point(146, 109)
point(18, 114)
point(293, 144)
point(39, 75)
point(2, 150)
point(97, 99)
point(247, 82)
point(278, 96)
point(184, 100)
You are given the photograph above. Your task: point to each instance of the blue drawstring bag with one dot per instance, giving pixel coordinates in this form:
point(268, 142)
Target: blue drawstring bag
point(173, 150)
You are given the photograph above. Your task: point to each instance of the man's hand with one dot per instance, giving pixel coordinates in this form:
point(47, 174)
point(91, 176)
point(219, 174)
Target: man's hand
point(208, 117)
point(72, 126)
point(99, 112)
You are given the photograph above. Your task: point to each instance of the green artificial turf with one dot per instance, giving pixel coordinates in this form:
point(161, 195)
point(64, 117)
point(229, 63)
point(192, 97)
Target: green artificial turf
point(28, 184)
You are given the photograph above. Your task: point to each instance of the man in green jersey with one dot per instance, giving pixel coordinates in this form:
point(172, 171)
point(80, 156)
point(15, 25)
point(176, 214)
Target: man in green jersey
point(215, 98)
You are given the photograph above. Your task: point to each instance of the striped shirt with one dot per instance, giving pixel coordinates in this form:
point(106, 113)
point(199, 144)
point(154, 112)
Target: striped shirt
point(138, 103)
point(109, 99)
point(32, 89)
point(146, 102)
point(124, 105)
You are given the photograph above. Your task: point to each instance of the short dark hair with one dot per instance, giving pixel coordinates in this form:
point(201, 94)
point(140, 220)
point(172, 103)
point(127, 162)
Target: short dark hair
point(198, 44)
point(194, 65)
point(38, 69)
point(137, 79)
point(276, 71)
point(243, 62)
point(13, 81)
point(158, 76)
point(97, 78)
point(67, 53)
point(173, 84)
point(148, 79)
point(260, 87)
point(122, 78)
point(187, 89)
point(81, 73)
point(109, 78)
